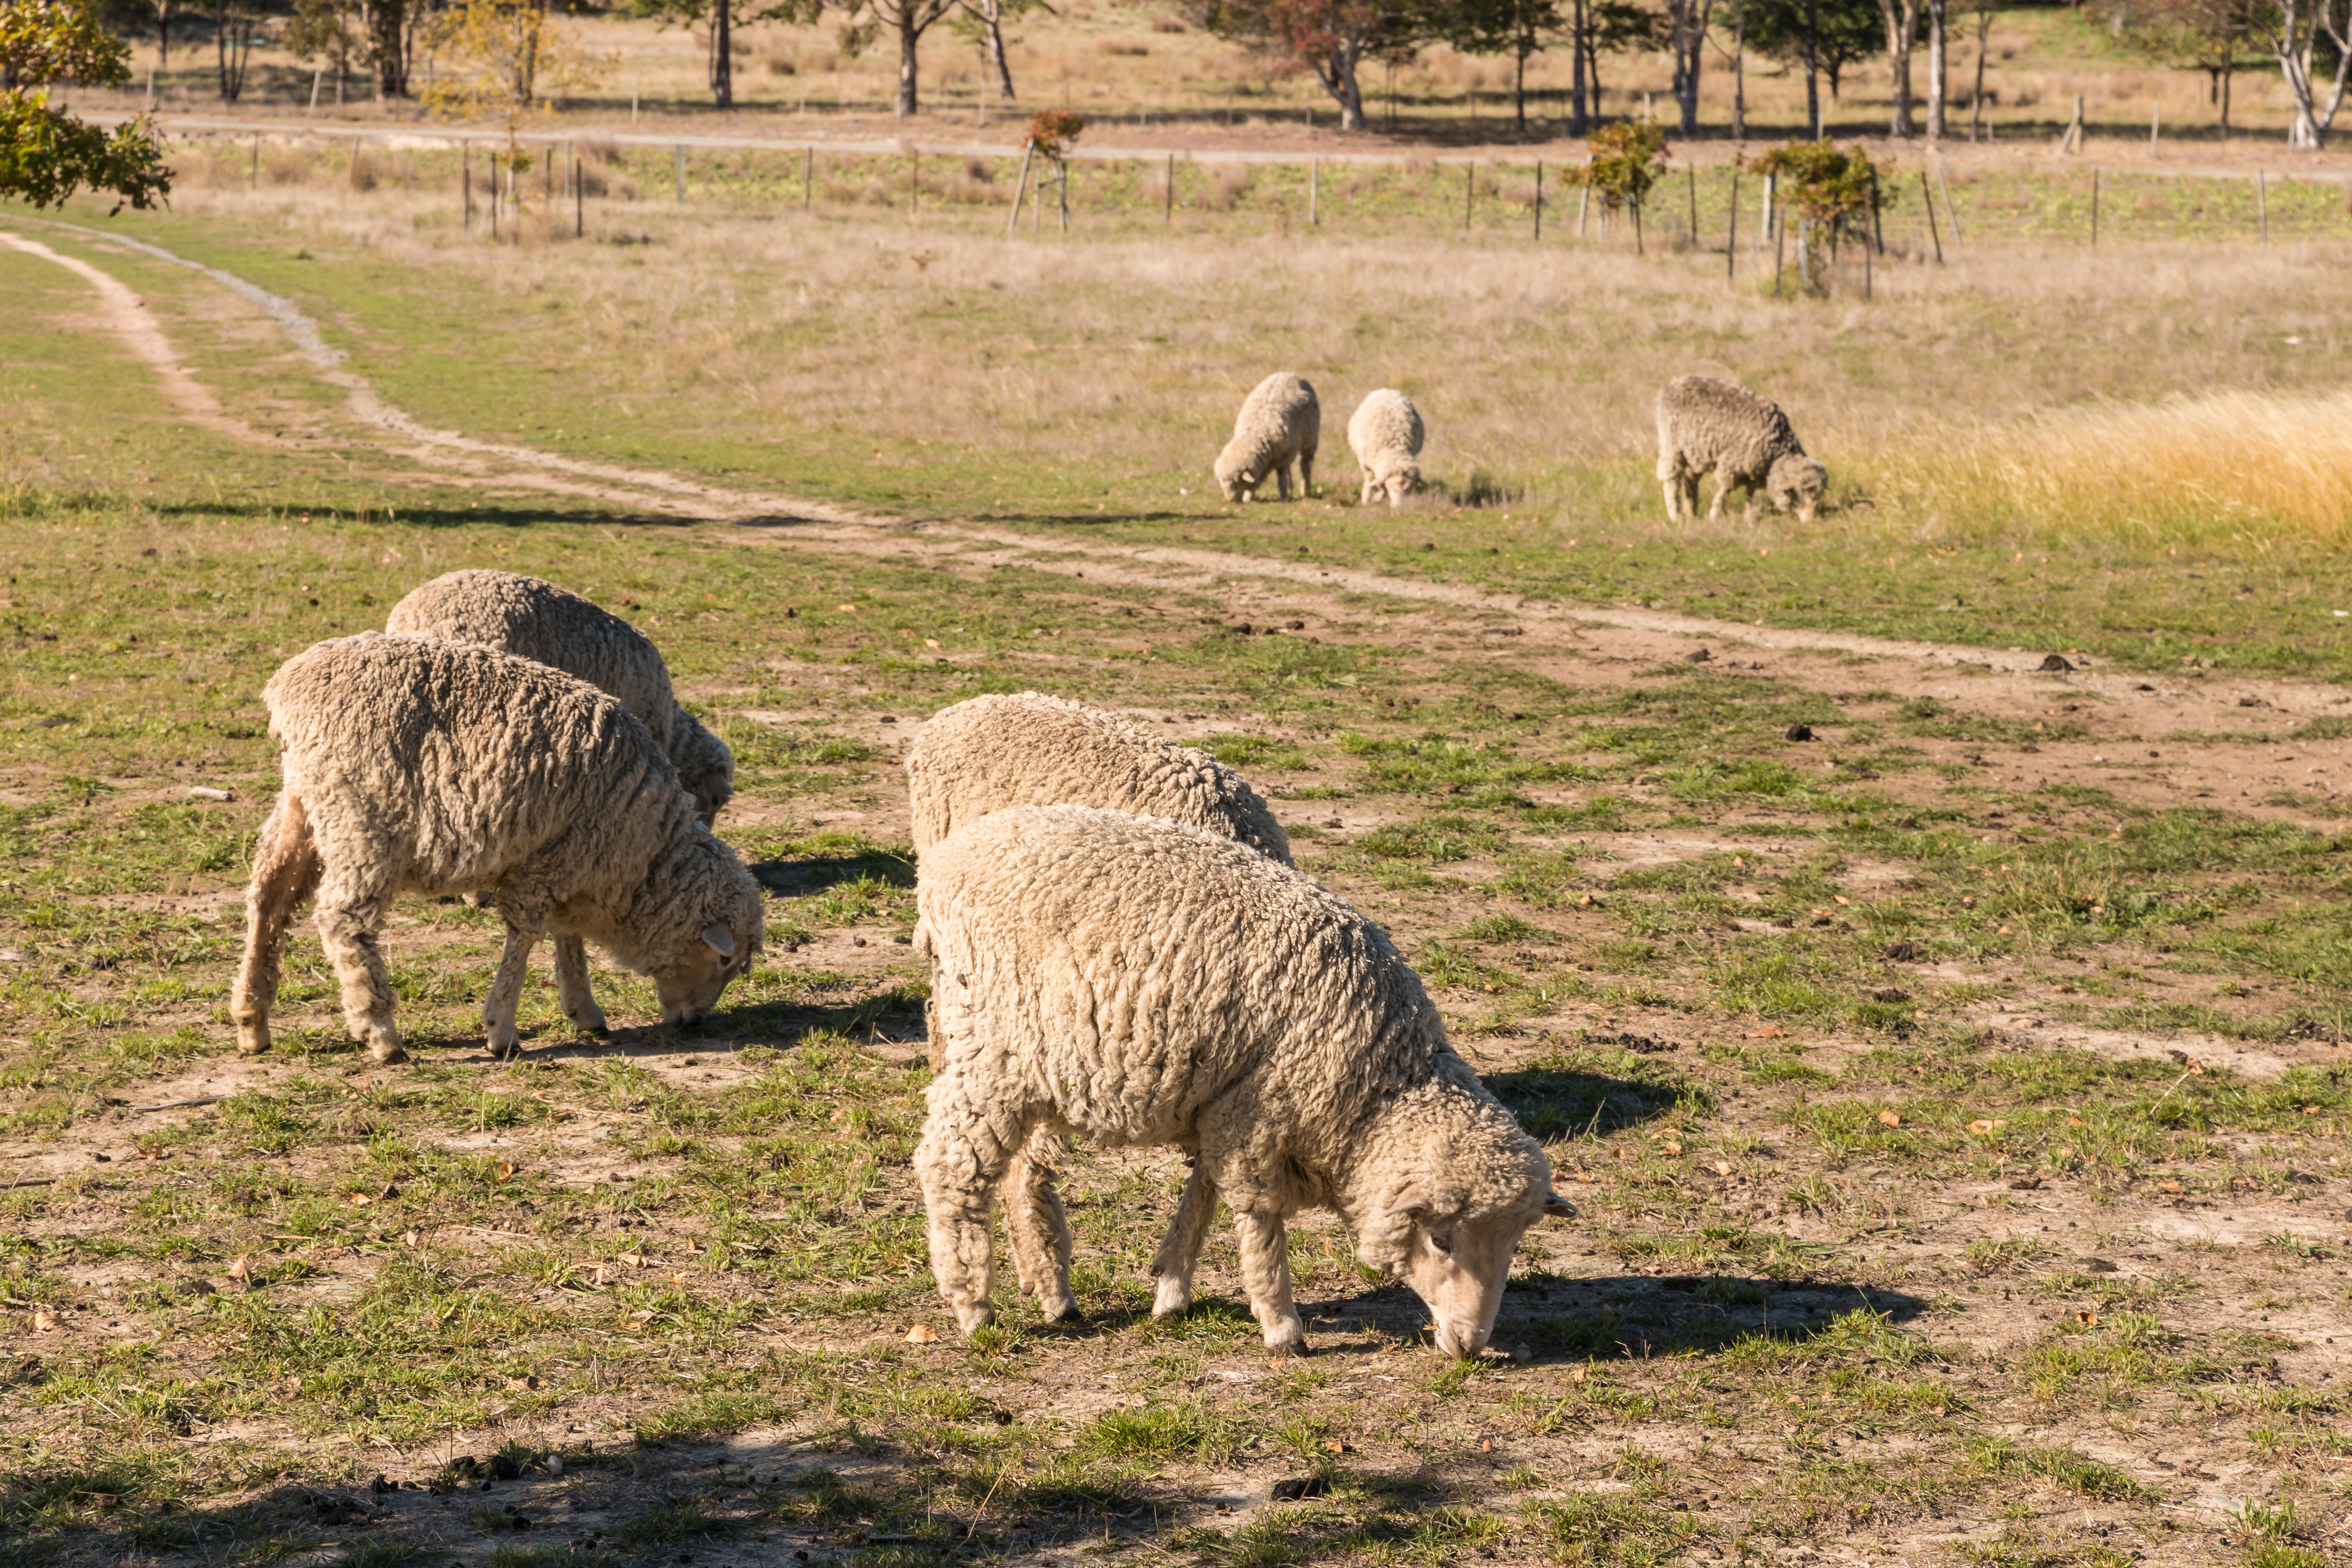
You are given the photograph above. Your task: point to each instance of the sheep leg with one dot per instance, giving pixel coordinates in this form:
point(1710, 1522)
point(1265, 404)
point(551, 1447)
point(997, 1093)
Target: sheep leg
point(572, 988)
point(961, 1161)
point(1724, 480)
point(1306, 474)
point(286, 871)
point(506, 987)
point(1039, 1228)
point(1282, 479)
point(1180, 1250)
point(349, 913)
point(1372, 488)
point(1266, 1276)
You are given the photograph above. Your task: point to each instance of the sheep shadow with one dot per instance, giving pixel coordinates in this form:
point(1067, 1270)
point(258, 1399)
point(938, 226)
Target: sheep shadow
point(1566, 1103)
point(798, 878)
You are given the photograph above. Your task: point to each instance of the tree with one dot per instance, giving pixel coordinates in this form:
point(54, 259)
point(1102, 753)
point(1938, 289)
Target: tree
point(1937, 75)
point(1902, 20)
point(1833, 189)
point(1687, 22)
point(868, 19)
point(2196, 34)
point(46, 154)
point(1515, 27)
point(982, 21)
point(721, 19)
point(1332, 38)
point(2293, 33)
point(393, 28)
point(1826, 38)
point(1627, 157)
point(236, 24)
point(328, 29)
point(506, 60)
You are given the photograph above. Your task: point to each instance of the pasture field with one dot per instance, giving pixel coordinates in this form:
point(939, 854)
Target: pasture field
point(1946, 1052)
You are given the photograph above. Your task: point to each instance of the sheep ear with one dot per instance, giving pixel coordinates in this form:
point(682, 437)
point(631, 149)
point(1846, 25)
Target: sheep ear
point(721, 940)
point(1413, 1204)
point(1558, 1207)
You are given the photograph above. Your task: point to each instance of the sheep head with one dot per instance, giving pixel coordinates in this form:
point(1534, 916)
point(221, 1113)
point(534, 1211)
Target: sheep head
point(1448, 1215)
point(714, 951)
point(1235, 475)
point(1401, 482)
point(1797, 481)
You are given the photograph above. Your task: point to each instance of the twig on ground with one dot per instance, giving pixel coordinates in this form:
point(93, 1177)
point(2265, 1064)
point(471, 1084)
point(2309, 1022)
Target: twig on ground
point(177, 1104)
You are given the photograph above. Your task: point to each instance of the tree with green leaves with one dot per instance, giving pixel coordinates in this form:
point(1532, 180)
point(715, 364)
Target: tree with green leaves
point(504, 60)
point(719, 19)
point(1832, 187)
point(1627, 158)
point(1330, 38)
point(46, 154)
point(2190, 35)
point(1824, 37)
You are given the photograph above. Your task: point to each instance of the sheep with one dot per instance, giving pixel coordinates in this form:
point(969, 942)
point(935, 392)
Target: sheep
point(1145, 983)
point(990, 753)
point(1386, 435)
point(1706, 424)
point(413, 766)
point(1280, 421)
point(527, 615)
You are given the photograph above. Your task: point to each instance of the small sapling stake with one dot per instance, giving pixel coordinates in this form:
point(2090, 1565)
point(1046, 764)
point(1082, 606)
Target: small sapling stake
point(1731, 230)
point(1927, 195)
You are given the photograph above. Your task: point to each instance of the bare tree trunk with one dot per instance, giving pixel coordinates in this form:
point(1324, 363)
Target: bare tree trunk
point(993, 13)
point(390, 33)
point(722, 43)
point(1689, 20)
point(1976, 98)
point(1902, 19)
point(163, 36)
point(1336, 69)
point(1936, 70)
point(909, 36)
point(1739, 77)
point(2227, 70)
point(1578, 120)
point(1812, 69)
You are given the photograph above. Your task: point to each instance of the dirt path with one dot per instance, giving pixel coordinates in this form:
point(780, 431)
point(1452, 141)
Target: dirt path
point(2151, 742)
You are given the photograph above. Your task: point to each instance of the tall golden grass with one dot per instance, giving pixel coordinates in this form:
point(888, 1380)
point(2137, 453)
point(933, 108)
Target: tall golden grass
point(2224, 471)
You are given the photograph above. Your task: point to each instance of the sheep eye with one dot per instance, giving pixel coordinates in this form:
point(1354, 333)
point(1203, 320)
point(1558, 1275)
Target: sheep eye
point(1442, 1243)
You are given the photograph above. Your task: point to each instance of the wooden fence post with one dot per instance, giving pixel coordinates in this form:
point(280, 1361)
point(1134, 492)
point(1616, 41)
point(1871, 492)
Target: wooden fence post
point(1314, 191)
point(2094, 209)
point(1928, 195)
point(1731, 230)
point(1028, 151)
point(1540, 201)
point(2262, 205)
point(680, 149)
point(1169, 213)
point(1692, 170)
point(808, 177)
point(1469, 192)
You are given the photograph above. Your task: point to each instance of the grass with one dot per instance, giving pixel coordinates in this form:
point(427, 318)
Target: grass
point(1704, 964)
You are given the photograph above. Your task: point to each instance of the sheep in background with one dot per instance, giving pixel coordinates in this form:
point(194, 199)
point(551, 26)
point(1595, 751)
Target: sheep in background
point(1386, 435)
point(1705, 425)
point(1280, 423)
point(415, 765)
point(990, 753)
point(1146, 983)
point(536, 619)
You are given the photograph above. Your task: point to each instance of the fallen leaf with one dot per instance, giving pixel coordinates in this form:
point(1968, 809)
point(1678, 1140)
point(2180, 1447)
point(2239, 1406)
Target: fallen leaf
point(1486, 1444)
point(1721, 1167)
point(522, 1382)
point(361, 1200)
point(242, 1267)
point(1980, 1126)
point(412, 1238)
point(44, 1321)
point(848, 608)
point(1768, 1032)
point(2195, 1065)
point(1586, 1176)
point(922, 1334)
point(1621, 1154)
point(1841, 898)
point(631, 1260)
point(2168, 1186)
point(930, 642)
point(2088, 1320)
point(1889, 1118)
point(646, 1315)
point(2005, 932)
point(677, 1278)
point(1577, 1374)
point(2074, 1121)
point(1968, 903)
point(1671, 1147)
point(506, 1168)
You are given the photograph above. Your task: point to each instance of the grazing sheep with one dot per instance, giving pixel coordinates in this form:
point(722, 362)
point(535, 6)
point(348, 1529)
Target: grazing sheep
point(1705, 425)
point(1386, 437)
point(527, 615)
point(1145, 983)
point(1280, 423)
point(413, 766)
point(1033, 750)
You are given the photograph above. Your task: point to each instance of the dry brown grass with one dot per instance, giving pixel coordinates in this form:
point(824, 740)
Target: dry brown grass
point(2021, 389)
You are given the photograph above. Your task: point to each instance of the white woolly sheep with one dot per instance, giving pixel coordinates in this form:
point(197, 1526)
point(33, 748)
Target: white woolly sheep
point(536, 619)
point(1145, 982)
point(413, 766)
point(990, 753)
point(1386, 435)
point(1280, 423)
point(1709, 426)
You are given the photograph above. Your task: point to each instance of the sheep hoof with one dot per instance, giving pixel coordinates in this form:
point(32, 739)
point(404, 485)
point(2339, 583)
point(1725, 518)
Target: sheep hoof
point(971, 1319)
point(1173, 1299)
point(590, 1022)
point(1288, 1338)
point(387, 1052)
point(505, 1048)
point(252, 1039)
point(1069, 1314)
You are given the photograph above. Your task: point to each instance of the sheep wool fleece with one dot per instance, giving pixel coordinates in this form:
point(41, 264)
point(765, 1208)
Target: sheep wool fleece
point(1709, 426)
point(413, 766)
point(1386, 435)
point(991, 753)
point(1145, 982)
point(1280, 423)
point(536, 619)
